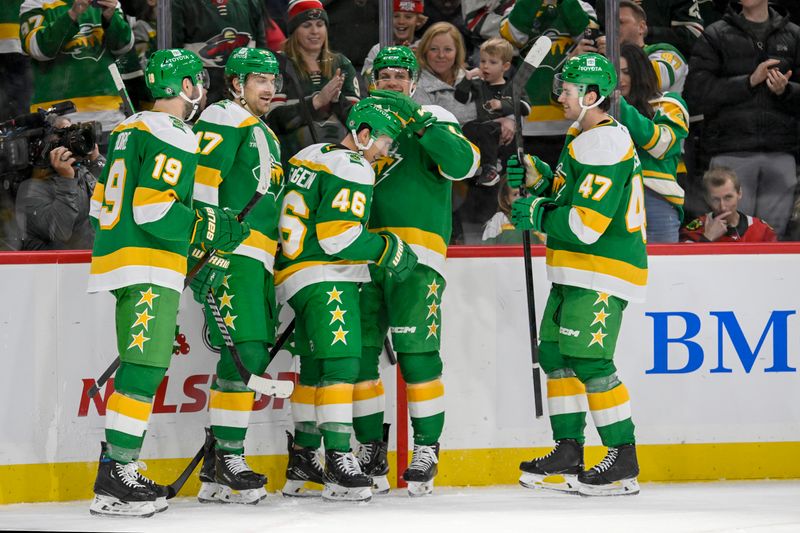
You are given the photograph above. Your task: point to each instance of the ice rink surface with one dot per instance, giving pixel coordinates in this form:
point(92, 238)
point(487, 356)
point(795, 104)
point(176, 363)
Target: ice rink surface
point(686, 507)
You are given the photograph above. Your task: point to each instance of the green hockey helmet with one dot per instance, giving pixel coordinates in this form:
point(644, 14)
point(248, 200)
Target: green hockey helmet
point(166, 70)
point(244, 61)
point(396, 57)
point(381, 120)
point(585, 70)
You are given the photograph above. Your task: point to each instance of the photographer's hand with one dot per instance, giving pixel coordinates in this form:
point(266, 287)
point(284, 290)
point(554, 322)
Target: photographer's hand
point(78, 8)
point(61, 160)
point(583, 46)
point(108, 7)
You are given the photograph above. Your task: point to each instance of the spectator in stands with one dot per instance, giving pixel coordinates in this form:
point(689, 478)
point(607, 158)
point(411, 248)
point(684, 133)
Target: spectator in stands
point(53, 205)
point(725, 222)
point(499, 229)
point(669, 64)
point(353, 27)
point(72, 45)
point(482, 18)
point(213, 30)
point(744, 77)
point(441, 57)
point(487, 89)
point(447, 11)
point(15, 67)
point(528, 20)
point(319, 85)
point(658, 123)
point(407, 18)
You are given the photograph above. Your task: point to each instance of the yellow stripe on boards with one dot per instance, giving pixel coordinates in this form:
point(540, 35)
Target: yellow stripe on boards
point(333, 394)
point(207, 176)
point(85, 104)
point(140, 257)
point(232, 401)
point(596, 263)
point(326, 230)
point(606, 400)
point(423, 238)
point(420, 392)
point(130, 407)
point(366, 390)
point(564, 387)
point(146, 196)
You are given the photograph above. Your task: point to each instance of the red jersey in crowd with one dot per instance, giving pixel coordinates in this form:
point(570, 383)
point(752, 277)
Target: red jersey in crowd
point(749, 229)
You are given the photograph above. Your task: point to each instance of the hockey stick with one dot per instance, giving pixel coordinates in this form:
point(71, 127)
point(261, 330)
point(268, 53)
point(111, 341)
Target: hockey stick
point(532, 60)
point(175, 487)
point(127, 104)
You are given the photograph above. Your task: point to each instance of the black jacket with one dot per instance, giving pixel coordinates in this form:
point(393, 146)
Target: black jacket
point(739, 117)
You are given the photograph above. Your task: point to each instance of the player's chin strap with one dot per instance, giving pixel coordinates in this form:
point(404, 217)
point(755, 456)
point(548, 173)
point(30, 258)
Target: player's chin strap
point(585, 108)
point(195, 103)
point(362, 147)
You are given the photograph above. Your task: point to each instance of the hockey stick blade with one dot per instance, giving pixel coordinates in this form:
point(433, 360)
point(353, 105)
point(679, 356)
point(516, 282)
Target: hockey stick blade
point(532, 60)
point(174, 488)
point(277, 388)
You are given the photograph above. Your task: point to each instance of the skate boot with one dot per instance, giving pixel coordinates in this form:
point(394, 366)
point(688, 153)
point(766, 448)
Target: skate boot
point(614, 476)
point(557, 471)
point(304, 467)
point(118, 491)
point(372, 459)
point(235, 481)
point(344, 480)
point(423, 468)
point(161, 491)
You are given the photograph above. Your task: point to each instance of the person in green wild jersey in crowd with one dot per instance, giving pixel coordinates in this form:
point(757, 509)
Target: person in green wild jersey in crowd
point(412, 199)
point(325, 251)
point(592, 210)
point(236, 146)
point(144, 225)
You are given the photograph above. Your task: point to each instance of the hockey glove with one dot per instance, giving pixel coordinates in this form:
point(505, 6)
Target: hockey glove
point(535, 174)
point(397, 257)
point(410, 112)
point(218, 229)
point(528, 213)
point(210, 276)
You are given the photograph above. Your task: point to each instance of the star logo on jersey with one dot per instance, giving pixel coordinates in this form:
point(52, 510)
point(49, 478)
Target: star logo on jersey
point(433, 330)
point(340, 335)
point(147, 298)
point(432, 310)
point(597, 338)
point(138, 340)
point(229, 319)
point(337, 315)
point(600, 317)
point(142, 319)
point(602, 297)
point(334, 295)
point(433, 290)
point(225, 300)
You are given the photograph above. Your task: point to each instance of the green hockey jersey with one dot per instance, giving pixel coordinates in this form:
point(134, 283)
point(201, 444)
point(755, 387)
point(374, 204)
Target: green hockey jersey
point(142, 204)
point(9, 27)
point(237, 150)
point(323, 232)
point(71, 58)
point(670, 66)
point(413, 190)
point(658, 142)
point(596, 234)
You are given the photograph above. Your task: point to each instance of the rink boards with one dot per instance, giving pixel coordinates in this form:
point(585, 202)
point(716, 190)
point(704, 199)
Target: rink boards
point(710, 359)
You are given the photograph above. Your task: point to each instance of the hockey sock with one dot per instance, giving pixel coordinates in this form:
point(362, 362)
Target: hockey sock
point(304, 415)
point(425, 392)
point(566, 395)
point(369, 401)
point(334, 401)
point(129, 408)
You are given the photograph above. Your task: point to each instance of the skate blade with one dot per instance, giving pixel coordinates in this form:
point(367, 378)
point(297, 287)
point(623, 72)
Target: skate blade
point(113, 507)
point(380, 485)
point(218, 493)
point(563, 483)
point(161, 504)
point(420, 488)
point(300, 489)
point(625, 487)
point(333, 492)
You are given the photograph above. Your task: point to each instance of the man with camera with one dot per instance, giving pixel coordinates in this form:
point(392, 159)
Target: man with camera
point(52, 207)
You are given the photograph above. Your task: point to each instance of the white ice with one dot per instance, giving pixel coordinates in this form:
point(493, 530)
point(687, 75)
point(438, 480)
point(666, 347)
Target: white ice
point(688, 507)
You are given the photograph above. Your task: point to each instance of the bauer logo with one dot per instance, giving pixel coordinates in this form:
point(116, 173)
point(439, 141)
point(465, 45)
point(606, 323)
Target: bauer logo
point(685, 342)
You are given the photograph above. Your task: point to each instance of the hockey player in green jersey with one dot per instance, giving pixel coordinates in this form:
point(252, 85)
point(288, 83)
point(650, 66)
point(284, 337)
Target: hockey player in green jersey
point(411, 199)
point(235, 147)
point(594, 217)
point(144, 224)
point(325, 251)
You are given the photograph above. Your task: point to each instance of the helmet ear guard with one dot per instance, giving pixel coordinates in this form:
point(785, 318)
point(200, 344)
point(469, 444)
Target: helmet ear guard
point(380, 120)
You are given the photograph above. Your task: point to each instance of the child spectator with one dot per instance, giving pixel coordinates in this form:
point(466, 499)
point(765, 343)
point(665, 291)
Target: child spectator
point(406, 20)
point(487, 88)
point(499, 229)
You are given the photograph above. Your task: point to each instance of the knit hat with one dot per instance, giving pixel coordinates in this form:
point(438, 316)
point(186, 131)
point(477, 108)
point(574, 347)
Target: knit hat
point(303, 10)
point(409, 6)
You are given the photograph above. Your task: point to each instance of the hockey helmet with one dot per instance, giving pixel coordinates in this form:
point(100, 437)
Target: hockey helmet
point(585, 70)
point(167, 69)
point(381, 120)
point(244, 61)
point(395, 57)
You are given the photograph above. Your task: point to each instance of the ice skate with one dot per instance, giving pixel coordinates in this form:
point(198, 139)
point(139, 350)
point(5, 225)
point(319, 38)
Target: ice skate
point(344, 480)
point(161, 491)
point(615, 475)
point(423, 468)
point(208, 483)
point(372, 458)
point(118, 491)
point(233, 482)
point(304, 467)
point(557, 471)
